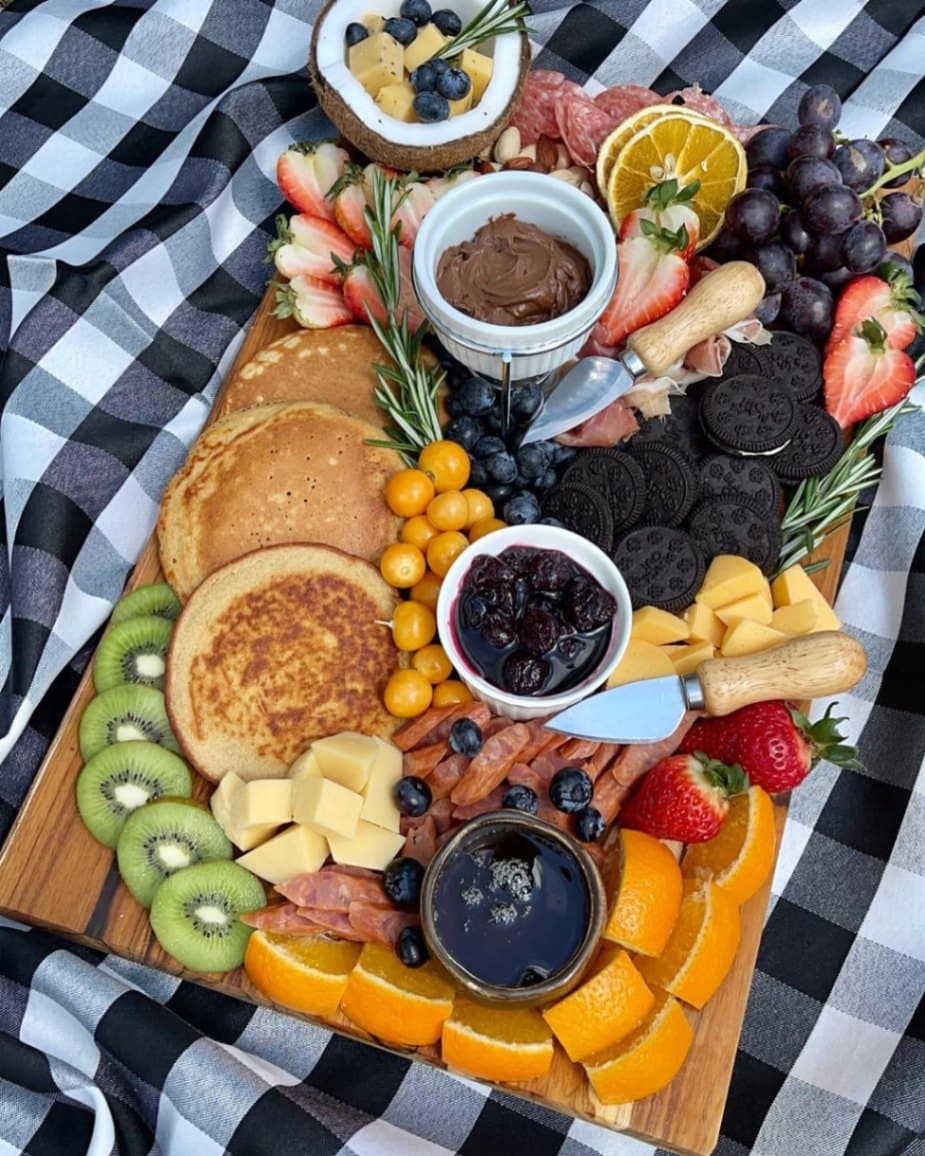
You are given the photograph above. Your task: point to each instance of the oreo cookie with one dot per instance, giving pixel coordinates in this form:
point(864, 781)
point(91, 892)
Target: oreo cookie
point(741, 359)
point(583, 510)
point(792, 362)
point(661, 567)
point(671, 484)
point(738, 479)
point(817, 444)
point(681, 427)
point(725, 526)
point(748, 415)
point(616, 476)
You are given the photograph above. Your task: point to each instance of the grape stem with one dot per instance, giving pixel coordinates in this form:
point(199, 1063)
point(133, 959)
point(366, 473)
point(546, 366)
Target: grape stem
point(892, 171)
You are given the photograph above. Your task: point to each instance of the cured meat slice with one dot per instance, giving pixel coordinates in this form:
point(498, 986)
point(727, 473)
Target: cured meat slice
point(578, 749)
point(283, 918)
point(745, 132)
point(421, 841)
point(634, 760)
point(613, 424)
point(491, 765)
point(422, 760)
point(535, 115)
point(552, 815)
point(523, 776)
point(416, 730)
point(446, 775)
point(337, 922)
point(583, 126)
point(608, 796)
point(623, 100)
point(548, 762)
point(441, 811)
point(694, 98)
point(601, 757)
point(539, 737)
point(478, 712)
point(378, 925)
point(332, 890)
point(490, 802)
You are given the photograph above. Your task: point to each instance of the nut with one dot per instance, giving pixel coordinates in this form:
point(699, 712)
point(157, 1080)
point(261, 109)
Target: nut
point(563, 158)
point(566, 175)
point(587, 187)
point(517, 164)
point(528, 151)
point(547, 153)
point(507, 145)
point(485, 167)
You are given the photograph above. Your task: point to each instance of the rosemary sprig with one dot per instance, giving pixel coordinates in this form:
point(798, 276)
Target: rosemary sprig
point(497, 18)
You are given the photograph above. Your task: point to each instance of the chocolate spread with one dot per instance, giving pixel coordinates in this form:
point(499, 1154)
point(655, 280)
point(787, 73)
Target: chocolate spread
point(512, 273)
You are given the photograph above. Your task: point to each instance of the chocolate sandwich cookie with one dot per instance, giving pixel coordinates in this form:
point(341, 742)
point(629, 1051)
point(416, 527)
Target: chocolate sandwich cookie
point(724, 526)
point(741, 359)
point(792, 362)
point(817, 444)
point(661, 567)
point(583, 510)
point(671, 483)
point(748, 479)
point(681, 427)
point(748, 415)
point(616, 476)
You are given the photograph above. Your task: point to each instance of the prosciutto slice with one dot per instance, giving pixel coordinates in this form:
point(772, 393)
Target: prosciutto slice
point(330, 889)
point(282, 918)
point(635, 759)
point(613, 424)
point(378, 925)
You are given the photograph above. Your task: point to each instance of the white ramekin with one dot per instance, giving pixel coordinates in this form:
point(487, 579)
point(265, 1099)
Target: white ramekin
point(552, 205)
point(586, 555)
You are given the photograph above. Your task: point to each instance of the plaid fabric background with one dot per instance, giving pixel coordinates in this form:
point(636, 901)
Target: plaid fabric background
point(137, 148)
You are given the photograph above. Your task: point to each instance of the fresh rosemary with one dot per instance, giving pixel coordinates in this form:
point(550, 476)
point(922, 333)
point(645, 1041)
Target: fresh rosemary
point(497, 18)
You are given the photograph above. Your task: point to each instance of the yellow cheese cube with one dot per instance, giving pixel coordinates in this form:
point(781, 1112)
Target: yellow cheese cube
point(640, 660)
point(800, 618)
point(372, 22)
point(376, 62)
point(370, 846)
point(479, 68)
point(379, 793)
point(704, 625)
point(326, 807)
point(462, 105)
point(428, 41)
point(753, 606)
point(688, 658)
point(794, 585)
point(295, 851)
point(397, 101)
point(305, 766)
point(658, 626)
point(728, 579)
point(220, 803)
point(262, 801)
point(346, 758)
point(747, 637)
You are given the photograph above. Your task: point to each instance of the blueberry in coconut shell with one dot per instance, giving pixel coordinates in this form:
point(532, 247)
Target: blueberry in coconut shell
point(454, 84)
point(417, 11)
point(404, 31)
point(355, 33)
point(431, 107)
point(447, 22)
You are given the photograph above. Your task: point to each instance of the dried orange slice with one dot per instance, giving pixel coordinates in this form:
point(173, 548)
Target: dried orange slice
point(644, 883)
point(304, 972)
point(603, 1009)
point(741, 856)
point(702, 946)
point(398, 1004)
point(612, 145)
point(497, 1043)
point(646, 1060)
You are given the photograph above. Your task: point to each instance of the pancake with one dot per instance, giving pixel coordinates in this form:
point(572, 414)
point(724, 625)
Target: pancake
point(277, 649)
point(271, 475)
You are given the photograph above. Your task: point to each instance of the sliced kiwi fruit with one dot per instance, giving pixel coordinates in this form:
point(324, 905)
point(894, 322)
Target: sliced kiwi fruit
point(195, 915)
point(133, 651)
point(121, 778)
point(125, 714)
point(158, 600)
point(163, 837)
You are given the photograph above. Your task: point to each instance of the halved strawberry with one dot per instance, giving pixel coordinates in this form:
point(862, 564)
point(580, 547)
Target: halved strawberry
point(894, 304)
point(667, 207)
point(306, 171)
point(349, 201)
point(862, 375)
point(363, 298)
point(315, 304)
point(416, 201)
point(653, 279)
point(453, 177)
point(310, 246)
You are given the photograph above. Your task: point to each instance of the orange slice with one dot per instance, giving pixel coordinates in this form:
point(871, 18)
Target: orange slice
point(612, 145)
point(398, 1004)
point(644, 883)
point(741, 856)
point(304, 972)
point(646, 1060)
point(497, 1043)
point(702, 946)
point(605, 1008)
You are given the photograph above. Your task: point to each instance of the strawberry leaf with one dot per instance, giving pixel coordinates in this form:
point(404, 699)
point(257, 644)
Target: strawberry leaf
point(728, 778)
point(283, 237)
point(874, 334)
point(825, 739)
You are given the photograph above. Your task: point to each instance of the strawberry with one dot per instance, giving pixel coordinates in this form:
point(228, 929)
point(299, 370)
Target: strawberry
point(363, 298)
point(862, 375)
point(666, 207)
point(894, 303)
point(415, 202)
point(774, 744)
point(349, 200)
point(684, 797)
point(305, 172)
point(450, 179)
point(315, 304)
point(653, 279)
point(310, 246)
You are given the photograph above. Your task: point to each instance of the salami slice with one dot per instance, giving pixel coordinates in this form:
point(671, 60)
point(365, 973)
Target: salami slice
point(535, 115)
point(331, 890)
point(282, 918)
point(491, 802)
point(699, 101)
point(377, 925)
point(623, 100)
point(583, 126)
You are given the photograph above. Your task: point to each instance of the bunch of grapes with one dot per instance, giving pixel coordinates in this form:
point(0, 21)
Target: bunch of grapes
point(807, 218)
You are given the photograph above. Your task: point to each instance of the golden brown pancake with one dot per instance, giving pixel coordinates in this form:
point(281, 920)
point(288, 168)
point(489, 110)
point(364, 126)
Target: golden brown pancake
point(276, 474)
point(277, 649)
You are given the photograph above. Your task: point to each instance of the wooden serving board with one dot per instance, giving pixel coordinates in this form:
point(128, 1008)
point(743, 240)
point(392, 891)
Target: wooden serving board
point(55, 875)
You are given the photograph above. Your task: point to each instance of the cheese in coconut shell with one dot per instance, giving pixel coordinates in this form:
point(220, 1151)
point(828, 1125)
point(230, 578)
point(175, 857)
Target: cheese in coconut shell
point(409, 146)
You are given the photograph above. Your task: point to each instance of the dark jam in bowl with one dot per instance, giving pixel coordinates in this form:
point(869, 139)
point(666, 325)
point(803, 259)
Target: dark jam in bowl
point(512, 907)
point(533, 622)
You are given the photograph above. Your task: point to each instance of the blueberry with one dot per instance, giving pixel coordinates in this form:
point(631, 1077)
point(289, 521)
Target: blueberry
point(521, 798)
point(494, 422)
point(571, 790)
point(453, 406)
point(525, 674)
point(431, 107)
point(411, 948)
point(552, 522)
point(546, 482)
point(476, 396)
point(412, 796)
point(466, 737)
point(531, 462)
point(499, 492)
point(487, 447)
point(424, 77)
point(402, 880)
point(440, 65)
point(501, 467)
point(417, 11)
point(465, 431)
point(478, 475)
point(447, 22)
point(401, 30)
point(454, 84)
point(563, 454)
point(355, 33)
point(525, 402)
point(589, 825)
point(522, 509)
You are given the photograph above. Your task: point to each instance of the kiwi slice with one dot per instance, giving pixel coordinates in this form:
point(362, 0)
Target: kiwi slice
point(158, 600)
point(133, 651)
point(195, 915)
point(164, 837)
point(122, 778)
point(123, 714)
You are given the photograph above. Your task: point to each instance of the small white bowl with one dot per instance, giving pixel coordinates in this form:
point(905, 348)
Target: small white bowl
point(557, 208)
point(580, 551)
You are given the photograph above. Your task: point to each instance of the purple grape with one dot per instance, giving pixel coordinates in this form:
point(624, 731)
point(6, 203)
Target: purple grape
point(768, 308)
point(769, 147)
point(863, 247)
point(831, 209)
point(765, 177)
point(901, 216)
point(793, 232)
point(819, 105)
point(806, 174)
point(812, 140)
point(861, 164)
point(838, 278)
point(753, 215)
point(776, 264)
point(726, 247)
point(806, 308)
point(898, 261)
point(825, 254)
point(897, 153)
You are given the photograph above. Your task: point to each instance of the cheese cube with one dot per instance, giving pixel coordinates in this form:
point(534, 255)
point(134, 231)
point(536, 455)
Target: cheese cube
point(800, 618)
point(640, 660)
point(753, 606)
point(704, 625)
point(728, 579)
point(305, 766)
point(262, 801)
point(658, 626)
point(397, 101)
point(462, 105)
point(376, 62)
point(346, 758)
point(295, 851)
point(795, 585)
point(428, 41)
point(479, 68)
point(379, 793)
point(370, 846)
point(687, 659)
point(373, 22)
point(747, 637)
point(221, 801)
point(326, 807)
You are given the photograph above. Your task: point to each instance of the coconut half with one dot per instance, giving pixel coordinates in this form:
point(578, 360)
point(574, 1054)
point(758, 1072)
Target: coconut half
point(422, 147)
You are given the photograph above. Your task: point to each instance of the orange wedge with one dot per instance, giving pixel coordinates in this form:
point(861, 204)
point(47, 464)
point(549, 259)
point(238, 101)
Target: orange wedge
point(702, 946)
point(610, 149)
point(741, 856)
point(646, 1060)
point(497, 1043)
point(605, 1008)
point(644, 883)
point(397, 1004)
point(304, 972)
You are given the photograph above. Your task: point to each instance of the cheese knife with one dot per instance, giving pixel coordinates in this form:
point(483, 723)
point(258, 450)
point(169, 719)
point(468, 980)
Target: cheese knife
point(643, 712)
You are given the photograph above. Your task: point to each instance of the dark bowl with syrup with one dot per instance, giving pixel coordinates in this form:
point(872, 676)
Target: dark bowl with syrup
point(513, 908)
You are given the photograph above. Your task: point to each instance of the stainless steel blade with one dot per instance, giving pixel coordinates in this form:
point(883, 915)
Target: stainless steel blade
point(588, 387)
point(639, 712)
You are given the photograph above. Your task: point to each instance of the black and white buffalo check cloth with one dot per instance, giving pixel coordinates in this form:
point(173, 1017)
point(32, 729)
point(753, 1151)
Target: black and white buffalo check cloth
point(138, 142)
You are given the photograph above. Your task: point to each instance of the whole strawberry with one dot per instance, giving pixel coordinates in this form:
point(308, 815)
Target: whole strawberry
point(775, 744)
point(684, 797)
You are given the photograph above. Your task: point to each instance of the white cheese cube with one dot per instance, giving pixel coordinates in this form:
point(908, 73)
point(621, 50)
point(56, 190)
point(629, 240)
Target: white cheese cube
point(262, 801)
point(346, 758)
point(295, 851)
point(326, 807)
point(379, 793)
point(221, 802)
point(305, 766)
point(371, 847)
